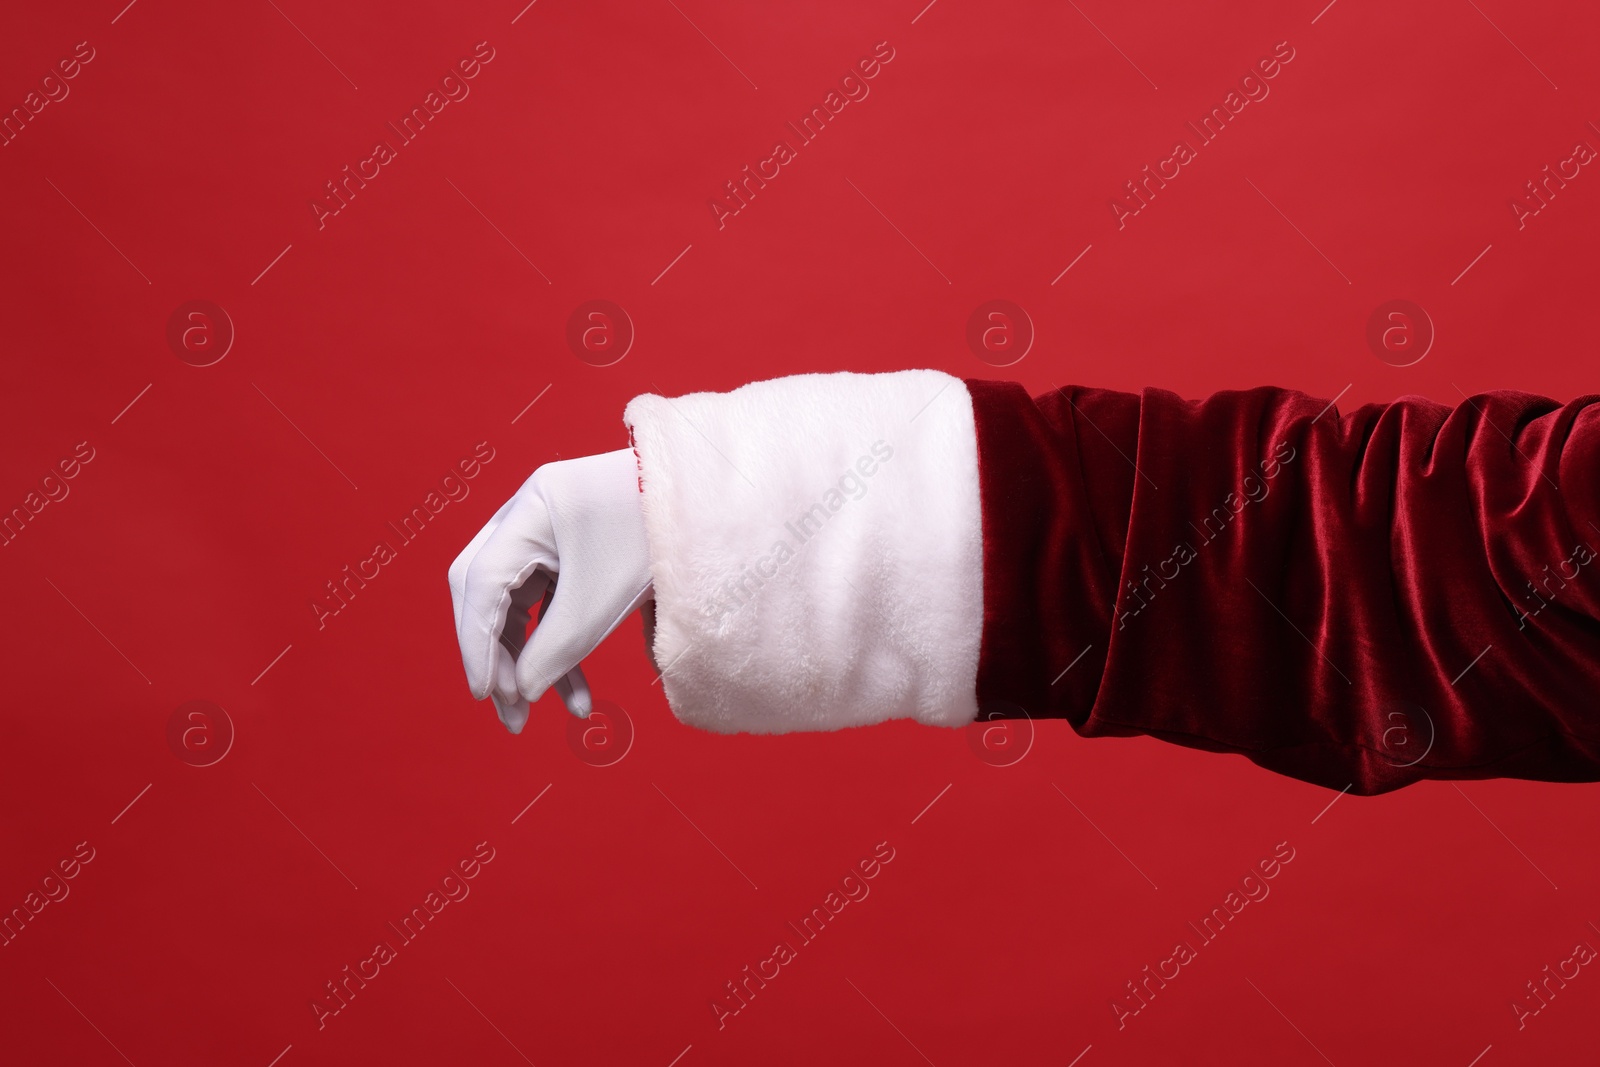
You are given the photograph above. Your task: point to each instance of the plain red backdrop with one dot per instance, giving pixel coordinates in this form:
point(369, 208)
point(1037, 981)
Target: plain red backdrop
point(375, 352)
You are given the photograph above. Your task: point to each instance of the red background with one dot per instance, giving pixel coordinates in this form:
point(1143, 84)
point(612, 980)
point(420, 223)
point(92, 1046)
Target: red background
point(408, 329)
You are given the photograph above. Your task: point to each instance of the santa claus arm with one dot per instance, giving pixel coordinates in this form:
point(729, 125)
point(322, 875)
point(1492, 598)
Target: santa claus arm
point(1361, 600)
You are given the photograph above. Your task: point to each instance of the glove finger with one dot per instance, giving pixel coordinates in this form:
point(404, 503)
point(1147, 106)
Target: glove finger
point(508, 703)
point(535, 669)
point(510, 640)
point(514, 716)
point(514, 634)
point(520, 551)
point(463, 560)
point(573, 688)
point(567, 632)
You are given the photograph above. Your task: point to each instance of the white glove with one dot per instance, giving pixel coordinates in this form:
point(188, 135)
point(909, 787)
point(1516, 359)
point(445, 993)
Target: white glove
point(571, 540)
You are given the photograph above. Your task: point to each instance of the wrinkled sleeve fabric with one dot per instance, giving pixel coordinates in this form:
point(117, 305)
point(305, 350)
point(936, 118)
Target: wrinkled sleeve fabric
point(1407, 591)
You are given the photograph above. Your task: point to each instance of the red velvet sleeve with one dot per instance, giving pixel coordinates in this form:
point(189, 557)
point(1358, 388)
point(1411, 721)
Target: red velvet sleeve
point(1408, 591)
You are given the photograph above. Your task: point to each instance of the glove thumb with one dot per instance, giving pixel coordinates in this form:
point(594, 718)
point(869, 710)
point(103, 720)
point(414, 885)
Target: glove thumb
point(557, 646)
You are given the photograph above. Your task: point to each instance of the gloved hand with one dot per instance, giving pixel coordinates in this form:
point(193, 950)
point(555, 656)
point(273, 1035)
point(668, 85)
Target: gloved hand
point(572, 540)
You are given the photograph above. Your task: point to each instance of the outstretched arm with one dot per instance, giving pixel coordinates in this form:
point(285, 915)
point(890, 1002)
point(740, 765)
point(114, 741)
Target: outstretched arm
point(1366, 600)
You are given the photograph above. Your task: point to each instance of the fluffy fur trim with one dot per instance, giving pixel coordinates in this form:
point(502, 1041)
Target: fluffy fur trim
point(817, 552)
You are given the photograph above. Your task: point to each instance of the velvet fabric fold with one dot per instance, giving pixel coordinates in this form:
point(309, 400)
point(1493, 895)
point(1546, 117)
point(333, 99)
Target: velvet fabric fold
point(1407, 591)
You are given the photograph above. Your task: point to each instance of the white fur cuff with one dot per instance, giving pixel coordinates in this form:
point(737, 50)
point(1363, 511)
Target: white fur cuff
point(817, 552)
